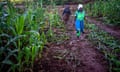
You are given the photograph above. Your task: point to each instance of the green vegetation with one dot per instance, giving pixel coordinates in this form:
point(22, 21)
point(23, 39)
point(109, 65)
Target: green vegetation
point(109, 10)
point(24, 34)
point(107, 44)
point(46, 2)
point(60, 2)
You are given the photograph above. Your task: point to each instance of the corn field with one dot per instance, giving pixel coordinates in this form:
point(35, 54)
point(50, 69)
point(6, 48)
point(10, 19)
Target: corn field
point(23, 34)
point(28, 26)
point(109, 10)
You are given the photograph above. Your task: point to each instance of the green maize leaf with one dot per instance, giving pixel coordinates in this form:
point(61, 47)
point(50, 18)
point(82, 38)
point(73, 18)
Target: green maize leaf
point(9, 62)
point(14, 39)
point(5, 35)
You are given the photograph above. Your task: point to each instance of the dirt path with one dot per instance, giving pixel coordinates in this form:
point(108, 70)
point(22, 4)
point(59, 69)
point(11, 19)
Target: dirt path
point(112, 30)
point(91, 60)
point(72, 55)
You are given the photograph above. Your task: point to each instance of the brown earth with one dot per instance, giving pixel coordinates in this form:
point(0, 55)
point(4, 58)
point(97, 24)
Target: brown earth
point(73, 55)
point(112, 30)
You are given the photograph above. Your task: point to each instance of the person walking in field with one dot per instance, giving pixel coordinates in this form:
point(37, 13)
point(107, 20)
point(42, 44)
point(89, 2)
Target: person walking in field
point(79, 20)
point(66, 14)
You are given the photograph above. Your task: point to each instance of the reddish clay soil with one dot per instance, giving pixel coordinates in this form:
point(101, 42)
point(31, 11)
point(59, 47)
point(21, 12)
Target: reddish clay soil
point(112, 30)
point(73, 55)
